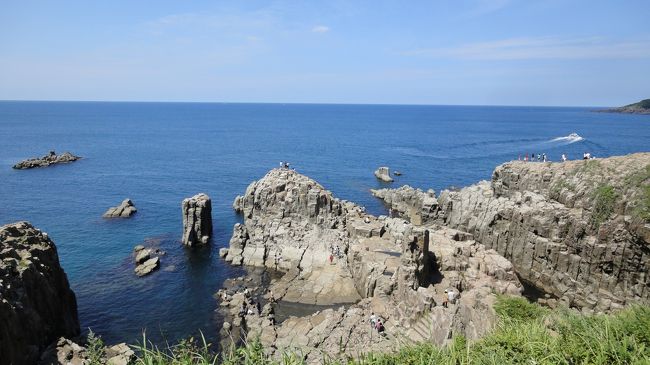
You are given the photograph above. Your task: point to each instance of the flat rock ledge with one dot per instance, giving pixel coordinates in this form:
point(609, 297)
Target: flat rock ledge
point(124, 210)
point(197, 219)
point(383, 174)
point(147, 260)
point(50, 159)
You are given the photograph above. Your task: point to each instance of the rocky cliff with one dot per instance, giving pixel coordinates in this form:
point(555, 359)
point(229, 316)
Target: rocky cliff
point(36, 303)
point(333, 252)
point(578, 230)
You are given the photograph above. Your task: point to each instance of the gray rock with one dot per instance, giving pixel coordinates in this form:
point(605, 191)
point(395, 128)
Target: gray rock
point(142, 256)
point(197, 219)
point(120, 354)
point(383, 174)
point(414, 204)
point(540, 216)
point(138, 248)
point(148, 266)
point(124, 210)
point(50, 159)
point(332, 252)
point(223, 252)
point(64, 351)
point(37, 305)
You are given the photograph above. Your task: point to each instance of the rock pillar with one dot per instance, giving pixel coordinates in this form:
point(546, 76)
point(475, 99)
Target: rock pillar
point(197, 219)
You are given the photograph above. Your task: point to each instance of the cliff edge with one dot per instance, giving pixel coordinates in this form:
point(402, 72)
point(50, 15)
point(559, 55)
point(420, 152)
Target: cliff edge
point(37, 305)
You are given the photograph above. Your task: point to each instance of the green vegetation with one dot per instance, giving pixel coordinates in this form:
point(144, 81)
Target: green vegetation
point(641, 181)
point(590, 167)
point(95, 349)
point(559, 186)
point(526, 334)
point(604, 200)
point(643, 104)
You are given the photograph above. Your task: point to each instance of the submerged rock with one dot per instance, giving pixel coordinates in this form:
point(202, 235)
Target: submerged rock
point(383, 174)
point(37, 305)
point(197, 219)
point(47, 160)
point(124, 210)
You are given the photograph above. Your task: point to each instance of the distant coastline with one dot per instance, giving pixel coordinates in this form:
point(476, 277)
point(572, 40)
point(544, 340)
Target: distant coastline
point(642, 107)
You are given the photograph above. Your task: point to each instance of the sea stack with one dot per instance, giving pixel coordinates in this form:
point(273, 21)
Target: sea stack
point(124, 210)
point(197, 219)
point(383, 174)
point(37, 305)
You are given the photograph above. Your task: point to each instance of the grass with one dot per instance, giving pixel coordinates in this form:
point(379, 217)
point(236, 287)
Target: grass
point(604, 200)
point(525, 334)
point(641, 181)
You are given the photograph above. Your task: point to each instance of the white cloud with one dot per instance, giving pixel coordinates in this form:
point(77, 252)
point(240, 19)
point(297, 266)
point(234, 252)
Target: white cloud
point(320, 29)
point(541, 48)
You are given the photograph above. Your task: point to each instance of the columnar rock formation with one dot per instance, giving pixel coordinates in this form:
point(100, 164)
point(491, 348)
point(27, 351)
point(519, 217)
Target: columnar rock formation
point(383, 174)
point(36, 303)
point(47, 160)
point(124, 210)
point(197, 219)
point(578, 230)
point(332, 252)
point(414, 204)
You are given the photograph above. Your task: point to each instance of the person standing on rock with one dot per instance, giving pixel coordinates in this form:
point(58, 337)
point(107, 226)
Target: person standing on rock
point(563, 157)
point(373, 322)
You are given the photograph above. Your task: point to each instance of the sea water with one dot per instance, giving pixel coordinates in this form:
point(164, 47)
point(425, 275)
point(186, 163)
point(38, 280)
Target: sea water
point(159, 153)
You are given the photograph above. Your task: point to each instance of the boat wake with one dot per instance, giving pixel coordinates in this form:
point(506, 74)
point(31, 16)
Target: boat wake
point(571, 138)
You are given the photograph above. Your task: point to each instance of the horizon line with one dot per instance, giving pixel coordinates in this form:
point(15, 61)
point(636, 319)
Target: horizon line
point(294, 103)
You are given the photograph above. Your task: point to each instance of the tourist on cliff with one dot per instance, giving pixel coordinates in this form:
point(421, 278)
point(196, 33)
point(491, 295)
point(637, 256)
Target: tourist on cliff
point(379, 326)
point(563, 157)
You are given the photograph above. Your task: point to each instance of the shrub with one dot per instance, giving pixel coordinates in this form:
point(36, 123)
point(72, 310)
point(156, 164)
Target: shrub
point(604, 200)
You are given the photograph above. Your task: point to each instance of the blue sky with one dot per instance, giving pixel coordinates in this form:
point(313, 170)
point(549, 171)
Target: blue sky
point(496, 52)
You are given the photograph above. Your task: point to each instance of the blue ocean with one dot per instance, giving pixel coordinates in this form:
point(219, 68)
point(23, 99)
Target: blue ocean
point(159, 153)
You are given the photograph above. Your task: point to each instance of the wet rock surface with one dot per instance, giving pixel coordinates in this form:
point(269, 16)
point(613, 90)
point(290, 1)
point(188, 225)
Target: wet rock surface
point(124, 210)
point(147, 260)
point(50, 159)
point(197, 219)
point(37, 305)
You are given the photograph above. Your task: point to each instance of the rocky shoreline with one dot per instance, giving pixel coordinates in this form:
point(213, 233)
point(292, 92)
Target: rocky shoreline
point(576, 233)
point(332, 252)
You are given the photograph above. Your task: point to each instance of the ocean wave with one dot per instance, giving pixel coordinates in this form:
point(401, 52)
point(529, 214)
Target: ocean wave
point(571, 138)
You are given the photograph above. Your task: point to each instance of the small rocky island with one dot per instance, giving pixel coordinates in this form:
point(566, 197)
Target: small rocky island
point(642, 107)
point(50, 159)
point(124, 210)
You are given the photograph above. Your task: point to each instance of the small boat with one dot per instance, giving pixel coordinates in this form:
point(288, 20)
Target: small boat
point(397, 173)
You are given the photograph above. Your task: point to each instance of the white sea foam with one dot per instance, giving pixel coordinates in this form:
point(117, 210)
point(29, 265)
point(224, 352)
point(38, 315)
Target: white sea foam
point(571, 138)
